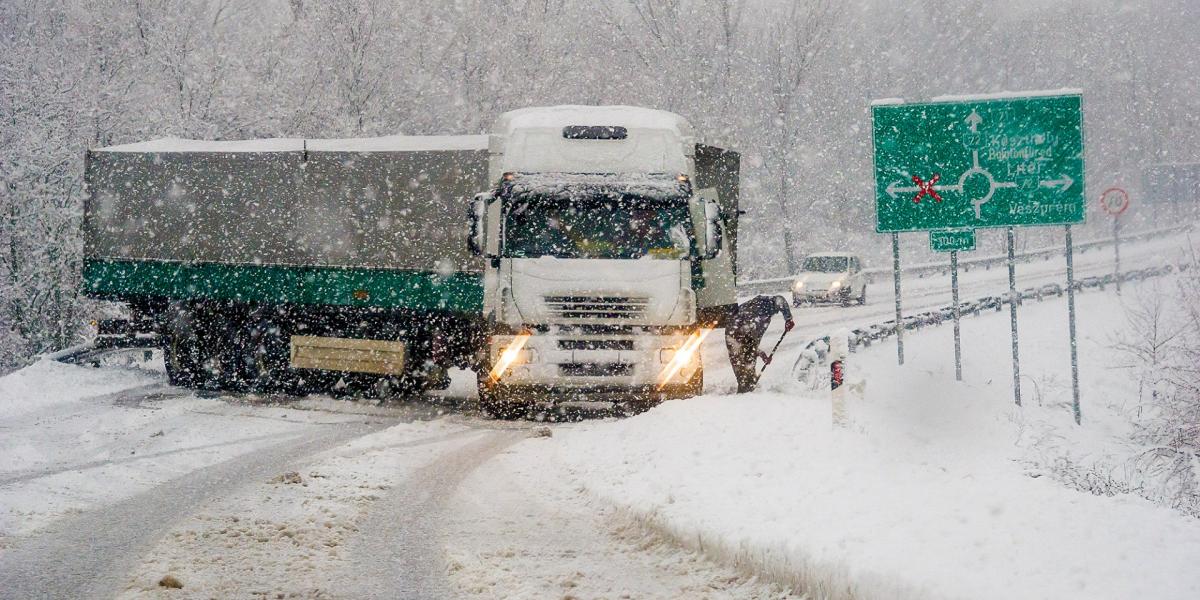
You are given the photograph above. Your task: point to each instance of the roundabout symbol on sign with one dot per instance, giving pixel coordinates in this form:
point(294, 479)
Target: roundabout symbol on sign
point(1114, 201)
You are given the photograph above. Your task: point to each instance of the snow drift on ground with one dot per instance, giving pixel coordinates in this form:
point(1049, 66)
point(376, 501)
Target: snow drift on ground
point(938, 489)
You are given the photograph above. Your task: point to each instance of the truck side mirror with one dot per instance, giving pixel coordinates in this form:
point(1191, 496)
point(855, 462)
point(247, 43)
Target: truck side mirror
point(713, 233)
point(477, 237)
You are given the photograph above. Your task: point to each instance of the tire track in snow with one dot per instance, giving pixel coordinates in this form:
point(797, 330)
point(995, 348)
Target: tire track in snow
point(399, 553)
point(87, 556)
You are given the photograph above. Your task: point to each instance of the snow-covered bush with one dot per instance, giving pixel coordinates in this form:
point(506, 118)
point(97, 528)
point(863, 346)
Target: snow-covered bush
point(1163, 348)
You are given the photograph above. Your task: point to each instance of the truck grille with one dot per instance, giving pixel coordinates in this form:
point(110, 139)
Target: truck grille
point(595, 344)
point(595, 370)
point(596, 307)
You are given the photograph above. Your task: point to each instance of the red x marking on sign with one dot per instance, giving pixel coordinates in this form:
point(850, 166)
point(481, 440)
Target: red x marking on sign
point(926, 187)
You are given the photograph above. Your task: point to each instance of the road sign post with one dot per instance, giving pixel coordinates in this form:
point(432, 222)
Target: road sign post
point(953, 241)
point(954, 297)
point(896, 286)
point(1071, 327)
point(1013, 299)
point(1114, 201)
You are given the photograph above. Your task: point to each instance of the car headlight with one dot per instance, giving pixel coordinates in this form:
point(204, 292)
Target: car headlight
point(798, 286)
point(835, 285)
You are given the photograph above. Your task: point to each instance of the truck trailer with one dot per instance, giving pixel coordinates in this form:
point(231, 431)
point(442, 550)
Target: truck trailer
point(573, 253)
point(291, 264)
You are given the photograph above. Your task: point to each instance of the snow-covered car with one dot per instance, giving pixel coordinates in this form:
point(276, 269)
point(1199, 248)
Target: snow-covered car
point(830, 277)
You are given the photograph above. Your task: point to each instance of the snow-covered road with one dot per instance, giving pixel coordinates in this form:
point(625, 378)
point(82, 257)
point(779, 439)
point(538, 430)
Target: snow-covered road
point(113, 483)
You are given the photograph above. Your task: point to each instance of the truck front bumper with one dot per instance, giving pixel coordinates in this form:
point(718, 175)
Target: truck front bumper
point(596, 365)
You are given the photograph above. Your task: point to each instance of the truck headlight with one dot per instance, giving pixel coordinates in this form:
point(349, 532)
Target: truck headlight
point(682, 356)
point(511, 355)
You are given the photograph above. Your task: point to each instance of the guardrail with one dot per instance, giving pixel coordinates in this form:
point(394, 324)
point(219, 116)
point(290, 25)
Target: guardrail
point(816, 349)
point(784, 284)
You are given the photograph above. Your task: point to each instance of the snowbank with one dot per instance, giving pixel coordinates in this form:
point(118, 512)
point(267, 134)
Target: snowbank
point(939, 489)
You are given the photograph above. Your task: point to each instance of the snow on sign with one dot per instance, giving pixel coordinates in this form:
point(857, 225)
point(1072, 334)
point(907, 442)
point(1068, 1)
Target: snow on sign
point(975, 162)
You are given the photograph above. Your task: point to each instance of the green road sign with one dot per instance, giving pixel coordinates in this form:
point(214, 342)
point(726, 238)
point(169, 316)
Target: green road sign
point(952, 240)
point(979, 163)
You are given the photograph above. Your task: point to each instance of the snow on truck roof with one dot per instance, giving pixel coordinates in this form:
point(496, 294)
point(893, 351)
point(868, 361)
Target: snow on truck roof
point(557, 117)
point(392, 143)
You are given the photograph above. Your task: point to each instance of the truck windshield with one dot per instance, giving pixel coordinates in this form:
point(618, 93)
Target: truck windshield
point(825, 264)
point(611, 226)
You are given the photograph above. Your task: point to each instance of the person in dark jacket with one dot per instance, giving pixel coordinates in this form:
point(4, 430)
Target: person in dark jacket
point(744, 332)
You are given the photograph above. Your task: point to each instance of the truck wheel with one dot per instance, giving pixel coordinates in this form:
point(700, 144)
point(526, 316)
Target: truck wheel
point(221, 346)
point(694, 387)
point(862, 297)
point(498, 402)
point(181, 350)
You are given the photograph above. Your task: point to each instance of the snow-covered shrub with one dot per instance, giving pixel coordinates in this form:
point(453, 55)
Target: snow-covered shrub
point(1163, 348)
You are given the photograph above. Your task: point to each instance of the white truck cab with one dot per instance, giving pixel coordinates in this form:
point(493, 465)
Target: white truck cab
point(830, 277)
point(608, 255)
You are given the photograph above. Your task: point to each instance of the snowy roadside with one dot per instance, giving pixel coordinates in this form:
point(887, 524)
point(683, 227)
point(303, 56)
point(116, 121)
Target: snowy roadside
point(940, 489)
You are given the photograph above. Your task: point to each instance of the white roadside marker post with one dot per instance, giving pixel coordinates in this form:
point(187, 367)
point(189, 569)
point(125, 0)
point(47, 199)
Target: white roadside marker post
point(839, 349)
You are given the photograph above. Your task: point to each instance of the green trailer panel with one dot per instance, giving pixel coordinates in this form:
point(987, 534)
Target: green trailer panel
point(274, 284)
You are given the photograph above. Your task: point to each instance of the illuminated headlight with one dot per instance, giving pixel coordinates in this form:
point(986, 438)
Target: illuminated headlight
point(514, 353)
point(677, 359)
point(835, 285)
point(798, 286)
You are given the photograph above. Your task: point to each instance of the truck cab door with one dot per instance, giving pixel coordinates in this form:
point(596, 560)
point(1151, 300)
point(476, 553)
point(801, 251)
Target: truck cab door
point(718, 288)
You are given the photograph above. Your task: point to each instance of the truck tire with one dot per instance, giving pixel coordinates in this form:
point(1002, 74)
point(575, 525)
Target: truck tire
point(182, 347)
point(265, 355)
point(222, 344)
point(694, 387)
point(498, 402)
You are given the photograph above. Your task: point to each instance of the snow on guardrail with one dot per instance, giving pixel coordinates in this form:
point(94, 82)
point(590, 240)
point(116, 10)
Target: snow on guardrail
point(783, 284)
point(816, 350)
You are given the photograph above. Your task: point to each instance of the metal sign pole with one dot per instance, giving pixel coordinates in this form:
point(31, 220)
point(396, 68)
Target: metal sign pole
point(954, 296)
point(1013, 298)
point(1117, 251)
point(1071, 327)
point(896, 285)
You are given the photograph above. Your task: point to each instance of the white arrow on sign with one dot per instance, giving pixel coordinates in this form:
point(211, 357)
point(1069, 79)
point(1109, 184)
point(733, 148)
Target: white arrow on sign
point(1062, 183)
point(973, 120)
point(893, 188)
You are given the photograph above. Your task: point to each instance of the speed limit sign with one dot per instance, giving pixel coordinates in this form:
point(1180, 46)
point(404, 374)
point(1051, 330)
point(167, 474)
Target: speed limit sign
point(1114, 201)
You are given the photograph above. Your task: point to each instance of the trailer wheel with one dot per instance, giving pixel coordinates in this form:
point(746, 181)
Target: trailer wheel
point(182, 351)
point(221, 346)
point(264, 356)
